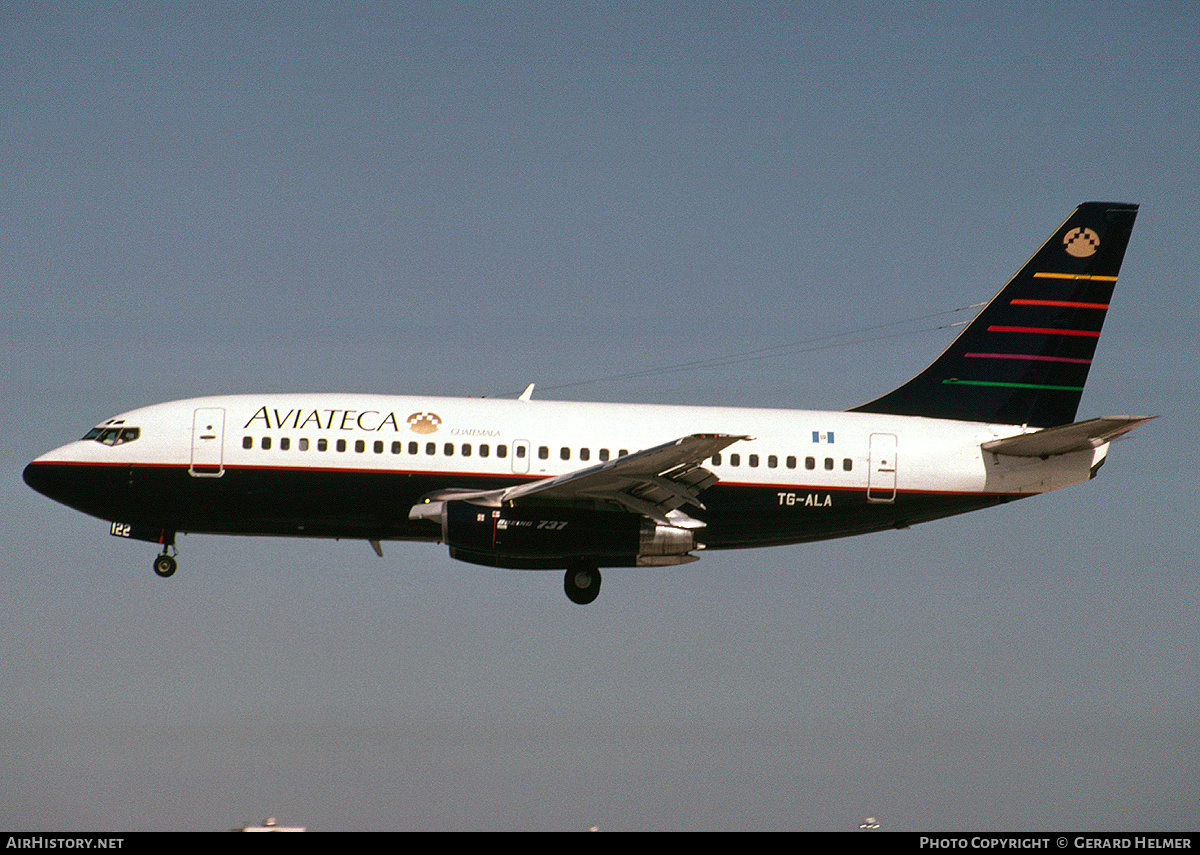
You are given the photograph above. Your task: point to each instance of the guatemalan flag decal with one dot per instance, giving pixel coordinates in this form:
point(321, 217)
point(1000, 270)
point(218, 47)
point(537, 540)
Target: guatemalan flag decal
point(818, 436)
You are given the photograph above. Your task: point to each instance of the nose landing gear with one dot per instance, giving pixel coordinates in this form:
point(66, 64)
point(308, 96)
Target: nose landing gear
point(164, 564)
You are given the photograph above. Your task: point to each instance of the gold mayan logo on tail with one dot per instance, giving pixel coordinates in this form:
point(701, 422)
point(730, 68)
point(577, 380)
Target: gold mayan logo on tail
point(1081, 243)
point(424, 422)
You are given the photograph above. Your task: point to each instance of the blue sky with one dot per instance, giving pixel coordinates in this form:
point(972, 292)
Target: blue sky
point(466, 199)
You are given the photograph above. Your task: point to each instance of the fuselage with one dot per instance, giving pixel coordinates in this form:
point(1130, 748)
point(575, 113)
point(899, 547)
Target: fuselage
point(353, 466)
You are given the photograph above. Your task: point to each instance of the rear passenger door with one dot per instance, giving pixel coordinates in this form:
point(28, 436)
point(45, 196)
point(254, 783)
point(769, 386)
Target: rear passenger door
point(881, 478)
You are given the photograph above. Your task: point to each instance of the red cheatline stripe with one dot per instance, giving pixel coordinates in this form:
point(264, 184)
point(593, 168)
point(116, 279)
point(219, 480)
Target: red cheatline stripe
point(1028, 356)
point(1066, 303)
point(1045, 331)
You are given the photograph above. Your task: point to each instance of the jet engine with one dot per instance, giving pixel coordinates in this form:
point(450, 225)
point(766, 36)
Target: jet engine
point(550, 537)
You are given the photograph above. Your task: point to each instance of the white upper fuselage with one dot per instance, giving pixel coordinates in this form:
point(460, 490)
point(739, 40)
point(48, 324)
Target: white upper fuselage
point(789, 449)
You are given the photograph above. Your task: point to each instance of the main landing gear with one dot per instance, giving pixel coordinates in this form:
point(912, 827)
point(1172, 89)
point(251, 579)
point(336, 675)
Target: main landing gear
point(582, 584)
point(164, 564)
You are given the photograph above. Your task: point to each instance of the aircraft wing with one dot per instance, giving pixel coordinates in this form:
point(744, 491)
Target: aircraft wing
point(1078, 436)
point(652, 482)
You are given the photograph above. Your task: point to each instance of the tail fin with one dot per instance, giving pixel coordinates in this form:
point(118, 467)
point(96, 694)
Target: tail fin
point(1023, 360)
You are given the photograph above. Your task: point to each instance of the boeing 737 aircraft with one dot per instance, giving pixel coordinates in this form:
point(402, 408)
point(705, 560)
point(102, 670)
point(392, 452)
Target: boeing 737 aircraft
point(534, 484)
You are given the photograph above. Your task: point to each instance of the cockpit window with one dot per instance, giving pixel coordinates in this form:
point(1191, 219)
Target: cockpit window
point(113, 435)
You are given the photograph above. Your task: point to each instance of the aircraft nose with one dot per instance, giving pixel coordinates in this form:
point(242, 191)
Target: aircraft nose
point(39, 477)
point(53, 476)
point(88, 491)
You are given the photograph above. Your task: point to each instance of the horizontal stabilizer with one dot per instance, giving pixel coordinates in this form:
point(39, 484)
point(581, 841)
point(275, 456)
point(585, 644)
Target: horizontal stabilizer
point(1065, 439)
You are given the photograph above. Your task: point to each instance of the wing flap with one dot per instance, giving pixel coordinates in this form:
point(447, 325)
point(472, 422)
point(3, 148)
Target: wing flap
point(654, 481)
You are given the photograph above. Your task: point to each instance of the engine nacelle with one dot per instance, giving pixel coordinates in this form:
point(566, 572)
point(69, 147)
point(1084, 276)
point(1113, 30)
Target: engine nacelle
point(550, 537)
